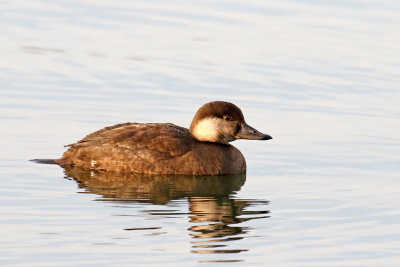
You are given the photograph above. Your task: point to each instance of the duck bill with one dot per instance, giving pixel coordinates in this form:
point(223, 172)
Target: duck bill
point(248, 132)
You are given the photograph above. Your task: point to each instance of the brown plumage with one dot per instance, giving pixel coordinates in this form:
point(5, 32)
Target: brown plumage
point(165, 148)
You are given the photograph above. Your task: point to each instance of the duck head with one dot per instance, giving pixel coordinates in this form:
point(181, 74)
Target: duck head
point(222, 122)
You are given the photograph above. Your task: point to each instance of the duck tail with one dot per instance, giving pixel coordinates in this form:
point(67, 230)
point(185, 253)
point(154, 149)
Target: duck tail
point(44, 161)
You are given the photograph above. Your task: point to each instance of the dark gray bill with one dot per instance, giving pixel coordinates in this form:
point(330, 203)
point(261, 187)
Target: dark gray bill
point(248, 132)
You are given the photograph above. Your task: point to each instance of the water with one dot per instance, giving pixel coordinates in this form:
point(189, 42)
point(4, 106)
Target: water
point(320, 77)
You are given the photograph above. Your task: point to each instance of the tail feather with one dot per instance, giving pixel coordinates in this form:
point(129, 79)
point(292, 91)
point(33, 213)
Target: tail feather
point(44, 161)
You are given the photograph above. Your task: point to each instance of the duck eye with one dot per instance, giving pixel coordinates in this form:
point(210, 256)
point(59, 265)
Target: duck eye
point(227, 118)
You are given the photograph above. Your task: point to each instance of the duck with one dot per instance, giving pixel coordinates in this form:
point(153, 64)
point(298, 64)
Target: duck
point(165, 148)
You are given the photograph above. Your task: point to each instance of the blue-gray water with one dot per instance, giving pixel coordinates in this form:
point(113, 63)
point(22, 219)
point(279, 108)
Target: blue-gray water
point(321, 77)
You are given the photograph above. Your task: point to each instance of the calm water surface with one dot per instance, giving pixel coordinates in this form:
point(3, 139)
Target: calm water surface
point(321, 77)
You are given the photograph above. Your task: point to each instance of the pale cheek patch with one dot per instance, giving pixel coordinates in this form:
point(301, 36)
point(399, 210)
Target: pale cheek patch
point(207, 130)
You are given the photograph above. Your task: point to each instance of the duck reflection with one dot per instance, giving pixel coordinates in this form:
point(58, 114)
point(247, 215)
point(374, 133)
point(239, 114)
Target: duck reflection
point(222, 217)
point(214, 214)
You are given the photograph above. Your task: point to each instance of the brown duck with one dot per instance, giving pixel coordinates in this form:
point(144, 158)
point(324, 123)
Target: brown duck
point(165, 148)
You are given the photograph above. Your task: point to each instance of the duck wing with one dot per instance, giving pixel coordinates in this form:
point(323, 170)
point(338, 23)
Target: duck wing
point(103, 135)
point(133, 147)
